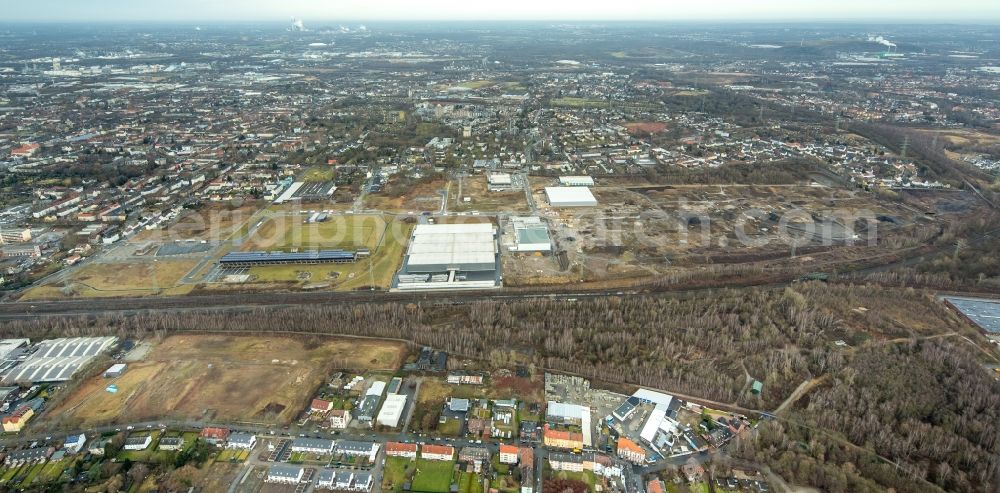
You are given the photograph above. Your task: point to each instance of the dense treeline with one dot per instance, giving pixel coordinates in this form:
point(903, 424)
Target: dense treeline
point(707, 346)
point(786, 172)
point(928, 407)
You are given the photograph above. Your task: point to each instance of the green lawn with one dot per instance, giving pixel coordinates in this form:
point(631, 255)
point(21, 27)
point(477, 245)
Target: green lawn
point(450, 428)
point(433, 476)
point(9, 473)
point(388, 243)
point(470, 483)
point(30, 476)
point(587, 477)
point(394, 473)
point(698, 487)
point(53, 470)
point(317, 173)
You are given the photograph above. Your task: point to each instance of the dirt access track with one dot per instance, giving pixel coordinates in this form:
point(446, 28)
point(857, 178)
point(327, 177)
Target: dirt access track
point(222, 378)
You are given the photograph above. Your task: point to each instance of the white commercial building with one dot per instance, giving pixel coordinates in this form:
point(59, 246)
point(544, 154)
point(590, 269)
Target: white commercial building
point(56, 360)
point(450, 256)
point(570, 197)
point(530, 235)
point(576, 181)
point(392, 410)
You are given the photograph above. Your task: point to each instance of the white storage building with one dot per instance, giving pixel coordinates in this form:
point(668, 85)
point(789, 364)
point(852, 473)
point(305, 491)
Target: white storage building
point(570, 197)
point(576, 181)
point(392, 410)
point(450, 256)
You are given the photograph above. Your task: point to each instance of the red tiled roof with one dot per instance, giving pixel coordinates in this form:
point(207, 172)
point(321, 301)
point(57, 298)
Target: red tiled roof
point(562, 435)
point(527, 455)
point(320, 404)
point(217, 433)
point(508, 449)
point(626, 444)
point(437, 449)
point(400, 447)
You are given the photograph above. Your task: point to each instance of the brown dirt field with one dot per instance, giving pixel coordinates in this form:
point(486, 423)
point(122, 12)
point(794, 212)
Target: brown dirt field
point(224, 378)
point(423, 196)
point(483, 200)
point(645, 127)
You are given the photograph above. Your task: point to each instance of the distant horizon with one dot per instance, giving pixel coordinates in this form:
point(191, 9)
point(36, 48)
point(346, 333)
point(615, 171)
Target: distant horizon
point(316, 23)
point(341, 11)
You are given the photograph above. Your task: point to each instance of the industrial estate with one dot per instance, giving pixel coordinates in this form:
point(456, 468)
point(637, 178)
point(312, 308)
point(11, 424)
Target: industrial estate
point(498, 257)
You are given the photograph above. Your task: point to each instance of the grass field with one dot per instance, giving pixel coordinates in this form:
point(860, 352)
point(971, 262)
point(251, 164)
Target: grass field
point(226, 378)
point(476, 84)
point(395, 472)
point(470, 483)
point(378, 269)
point(317, 173)
point(586, 477)
point(433, 476)
point(287, 232)
point(98, 280)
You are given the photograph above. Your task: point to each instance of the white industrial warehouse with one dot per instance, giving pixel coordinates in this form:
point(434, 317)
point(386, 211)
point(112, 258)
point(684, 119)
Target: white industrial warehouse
point(450, 256)
point(56, 360)
point(570, 197)
point(576, 181)
point(530, 235)
point(392, 410)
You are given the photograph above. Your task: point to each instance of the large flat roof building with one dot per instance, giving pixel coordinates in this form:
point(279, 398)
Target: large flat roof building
point(570, 197)
point(450, 256)
point(56, 360)
point(530, 235)
point(576, 181)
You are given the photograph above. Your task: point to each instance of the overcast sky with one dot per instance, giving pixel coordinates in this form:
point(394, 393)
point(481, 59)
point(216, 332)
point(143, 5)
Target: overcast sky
point(393, 10)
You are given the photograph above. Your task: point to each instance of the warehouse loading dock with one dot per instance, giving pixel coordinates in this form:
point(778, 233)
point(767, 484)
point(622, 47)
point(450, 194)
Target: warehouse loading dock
point(450, 256)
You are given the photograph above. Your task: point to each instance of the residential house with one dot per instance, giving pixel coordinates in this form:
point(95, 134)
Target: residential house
point(508, 454)
point(29, 456)
point(138, 442)
point(399, 449)
point(240, 440)
point(313, 445)
point(527, 466)
point(170, 443)
point(476, 457)
point(655, 486)
point(436, 452)
point(320, 406)
point(692, 470)
point(15, 421)
point(358, 449)
point(340, 419)
point(561, 439)
point(96, 447)
point(631, 451)
point(215, 436)
point(74, 443)
point(281, 473)
point(565, 462)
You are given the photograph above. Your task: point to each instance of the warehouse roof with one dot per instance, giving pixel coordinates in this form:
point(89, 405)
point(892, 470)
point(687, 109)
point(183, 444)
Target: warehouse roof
point(452, 245)
point(314, 256)
point(58, 359)
point(570, 196)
